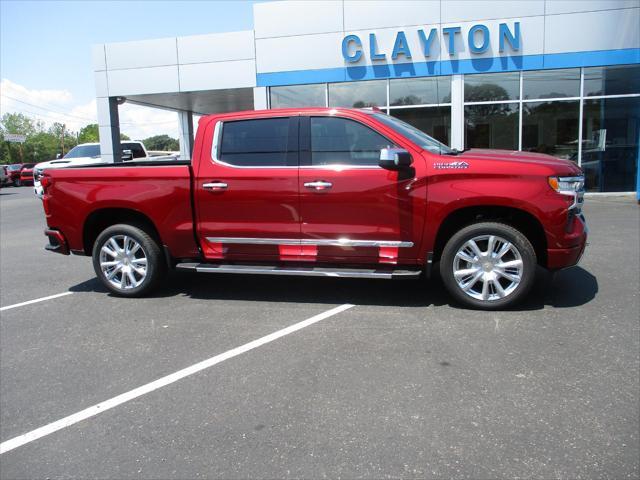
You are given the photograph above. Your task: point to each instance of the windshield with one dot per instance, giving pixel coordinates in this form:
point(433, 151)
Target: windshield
point(84, 151)
point(412, 133)
point(15, 167)
point(28, 165)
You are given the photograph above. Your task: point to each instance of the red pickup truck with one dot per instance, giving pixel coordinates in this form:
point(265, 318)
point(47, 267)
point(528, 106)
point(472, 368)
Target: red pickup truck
point(323, 192)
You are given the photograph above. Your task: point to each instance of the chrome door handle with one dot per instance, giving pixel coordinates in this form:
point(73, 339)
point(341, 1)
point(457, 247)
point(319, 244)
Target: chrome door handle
point(319, 185)
point(215, 186)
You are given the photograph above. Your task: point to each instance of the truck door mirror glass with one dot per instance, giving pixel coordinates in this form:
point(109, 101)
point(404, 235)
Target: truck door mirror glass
point(127, 155)
point(395, 158)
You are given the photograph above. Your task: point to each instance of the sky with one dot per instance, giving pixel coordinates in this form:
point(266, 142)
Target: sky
point(45, 53)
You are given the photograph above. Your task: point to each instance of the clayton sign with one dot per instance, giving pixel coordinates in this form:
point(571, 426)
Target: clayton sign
point(478, 39)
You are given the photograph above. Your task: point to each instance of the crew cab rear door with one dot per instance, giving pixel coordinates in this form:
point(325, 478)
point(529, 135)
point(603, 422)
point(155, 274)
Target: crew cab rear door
point(246, 188)
point(352, 210)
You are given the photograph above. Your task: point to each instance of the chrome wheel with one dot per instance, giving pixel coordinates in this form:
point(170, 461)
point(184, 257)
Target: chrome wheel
point(488, 268)
point(123, 262)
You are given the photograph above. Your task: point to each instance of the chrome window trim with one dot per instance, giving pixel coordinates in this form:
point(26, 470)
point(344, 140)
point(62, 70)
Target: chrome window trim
point(339, 242)
point(217, 141)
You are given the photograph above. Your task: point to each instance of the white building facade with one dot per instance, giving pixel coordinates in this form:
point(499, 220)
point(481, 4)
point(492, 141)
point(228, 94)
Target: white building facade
point(554, 76)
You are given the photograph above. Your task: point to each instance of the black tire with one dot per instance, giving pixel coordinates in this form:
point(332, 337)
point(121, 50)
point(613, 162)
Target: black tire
point(155, 264)
point(523, 248)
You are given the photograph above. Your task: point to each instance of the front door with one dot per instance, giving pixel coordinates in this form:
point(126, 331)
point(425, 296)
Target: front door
point(352, 210)
point(247, 193)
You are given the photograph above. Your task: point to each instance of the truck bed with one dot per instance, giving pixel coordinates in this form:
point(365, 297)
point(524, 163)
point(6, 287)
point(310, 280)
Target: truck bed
point(159, 191)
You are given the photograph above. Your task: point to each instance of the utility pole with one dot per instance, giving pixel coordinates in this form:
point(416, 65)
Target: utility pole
point(63, 126)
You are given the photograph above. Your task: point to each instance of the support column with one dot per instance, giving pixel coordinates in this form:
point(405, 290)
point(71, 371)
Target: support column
point(457, 112)
point(185, 126)
point(109, 129)
point(260, 101)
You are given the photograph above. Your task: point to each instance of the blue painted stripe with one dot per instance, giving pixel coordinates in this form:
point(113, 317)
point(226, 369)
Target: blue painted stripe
point(449, 67)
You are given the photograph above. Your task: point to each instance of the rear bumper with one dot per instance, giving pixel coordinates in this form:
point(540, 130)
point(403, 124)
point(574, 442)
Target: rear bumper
point(558, 258)
point(57, 242)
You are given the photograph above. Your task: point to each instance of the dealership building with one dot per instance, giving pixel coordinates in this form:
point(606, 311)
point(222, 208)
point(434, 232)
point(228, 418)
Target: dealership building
point(560, 77)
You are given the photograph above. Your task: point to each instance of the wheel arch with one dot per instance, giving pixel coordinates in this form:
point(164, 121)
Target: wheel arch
point(520, 219)
point(102, 218)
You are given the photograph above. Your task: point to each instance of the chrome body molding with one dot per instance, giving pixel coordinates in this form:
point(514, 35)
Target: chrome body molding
point(320, 242)
point(299, 271)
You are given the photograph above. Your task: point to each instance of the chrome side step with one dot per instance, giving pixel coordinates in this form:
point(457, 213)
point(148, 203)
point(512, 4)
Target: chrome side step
point(300, 271)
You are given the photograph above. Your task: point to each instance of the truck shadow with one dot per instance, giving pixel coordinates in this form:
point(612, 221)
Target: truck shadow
point(568, 288)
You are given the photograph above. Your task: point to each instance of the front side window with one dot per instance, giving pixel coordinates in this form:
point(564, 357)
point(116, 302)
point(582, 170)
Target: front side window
point(340, 141)
point(255, 143)
point(136, 149)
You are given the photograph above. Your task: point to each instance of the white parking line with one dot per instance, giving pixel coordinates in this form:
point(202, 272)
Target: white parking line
point(162, 382)
point(50, 297)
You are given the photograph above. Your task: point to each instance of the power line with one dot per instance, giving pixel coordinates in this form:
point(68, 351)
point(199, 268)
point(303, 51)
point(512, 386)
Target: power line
point(47, 109)
point(92, 120)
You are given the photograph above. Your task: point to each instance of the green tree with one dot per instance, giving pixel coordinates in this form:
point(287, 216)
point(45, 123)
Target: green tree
point(89, 134)
point(161, 142)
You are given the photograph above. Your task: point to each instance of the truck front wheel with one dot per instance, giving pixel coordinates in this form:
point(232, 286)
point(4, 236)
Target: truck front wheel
point(128, 261)
point(488, 266)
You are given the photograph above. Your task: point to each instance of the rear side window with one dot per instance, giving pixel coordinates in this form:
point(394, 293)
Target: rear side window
point(346, 142)
point(264, 142)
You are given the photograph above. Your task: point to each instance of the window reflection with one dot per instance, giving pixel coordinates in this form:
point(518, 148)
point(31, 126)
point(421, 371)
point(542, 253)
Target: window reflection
point(358, 94)
point(434, 121)
point(492, 87)
point(551, 128)
point(298, 96)
point(491, 126)
point(551, 83)
point(610, 131)
point(618, 80)
point(420, 91)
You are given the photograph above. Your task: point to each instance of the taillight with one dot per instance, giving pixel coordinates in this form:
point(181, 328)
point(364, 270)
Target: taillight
point(46, 182)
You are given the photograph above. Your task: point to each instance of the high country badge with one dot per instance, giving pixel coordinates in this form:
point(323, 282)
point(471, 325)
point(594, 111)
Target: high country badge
point(450, 165)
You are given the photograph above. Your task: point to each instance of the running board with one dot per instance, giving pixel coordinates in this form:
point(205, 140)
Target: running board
point(300, 271)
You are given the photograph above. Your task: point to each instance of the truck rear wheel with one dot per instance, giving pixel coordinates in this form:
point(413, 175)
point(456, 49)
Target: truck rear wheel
point(128, 261)
point(488, 266)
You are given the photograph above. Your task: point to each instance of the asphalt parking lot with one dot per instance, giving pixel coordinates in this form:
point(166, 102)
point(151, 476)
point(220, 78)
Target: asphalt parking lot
point(401, 384)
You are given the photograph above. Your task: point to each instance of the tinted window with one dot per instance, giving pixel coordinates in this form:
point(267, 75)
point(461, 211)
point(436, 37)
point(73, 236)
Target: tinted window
point(255, 143)
point(615, 80)
point(551, 83)
point(298, 96)
point(345, 142)
point(417, 91)
point(491, 87)
point(372, 93)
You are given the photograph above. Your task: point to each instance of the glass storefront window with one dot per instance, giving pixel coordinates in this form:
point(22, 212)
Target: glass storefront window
point(434, 121)
point(419, 91)
point(492, 87)
point(617, 80)
point(358, 94)
point(298, 96)
point(491, 126)
point(610, 131)
point(551, 83)
point(551, 128)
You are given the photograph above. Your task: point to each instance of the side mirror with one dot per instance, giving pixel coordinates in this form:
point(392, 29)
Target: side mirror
point(58, 155)
point(395, 158)
point(127, 155)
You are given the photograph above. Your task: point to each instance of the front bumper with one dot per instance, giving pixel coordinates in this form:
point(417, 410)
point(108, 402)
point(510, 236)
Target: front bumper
point(576, 237)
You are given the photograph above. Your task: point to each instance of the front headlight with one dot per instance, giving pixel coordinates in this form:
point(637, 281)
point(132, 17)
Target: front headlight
point(567, 185)
point(37, 173)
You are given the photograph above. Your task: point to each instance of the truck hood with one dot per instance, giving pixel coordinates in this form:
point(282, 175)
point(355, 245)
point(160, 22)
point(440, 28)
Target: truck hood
point(563, 166)
point(69, 162)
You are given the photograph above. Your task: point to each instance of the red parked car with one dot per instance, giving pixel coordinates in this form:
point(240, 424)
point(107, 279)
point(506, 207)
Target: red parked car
point(13, 171)
point(323, 192)
point(26, 174)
